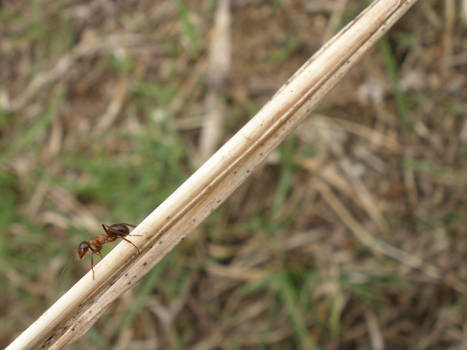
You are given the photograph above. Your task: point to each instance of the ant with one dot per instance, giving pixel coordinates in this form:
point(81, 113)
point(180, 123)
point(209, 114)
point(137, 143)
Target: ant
point(95, 244)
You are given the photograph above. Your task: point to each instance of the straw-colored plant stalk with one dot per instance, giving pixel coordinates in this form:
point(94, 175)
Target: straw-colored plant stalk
point(77, 310)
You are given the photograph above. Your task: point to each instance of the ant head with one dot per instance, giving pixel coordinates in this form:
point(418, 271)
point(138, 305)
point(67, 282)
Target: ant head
point(83, 248)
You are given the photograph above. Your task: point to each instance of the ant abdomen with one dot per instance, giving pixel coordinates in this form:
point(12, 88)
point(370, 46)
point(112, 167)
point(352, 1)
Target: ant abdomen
point(121, 228)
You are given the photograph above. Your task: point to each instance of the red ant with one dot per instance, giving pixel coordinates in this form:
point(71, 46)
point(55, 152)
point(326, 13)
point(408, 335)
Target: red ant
point(95, 244)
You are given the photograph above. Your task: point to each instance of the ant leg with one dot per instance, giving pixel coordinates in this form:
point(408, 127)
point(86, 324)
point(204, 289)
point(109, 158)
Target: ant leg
point(92, 264)
point(133, 227)
point(106, 228)
point(112, 232)
point(139, 252)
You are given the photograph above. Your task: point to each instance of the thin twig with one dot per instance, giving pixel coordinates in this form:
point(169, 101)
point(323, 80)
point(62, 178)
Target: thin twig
point(76, 311)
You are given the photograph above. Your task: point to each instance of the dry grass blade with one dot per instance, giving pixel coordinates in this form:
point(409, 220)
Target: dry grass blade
point(219, 65)
point(76, 311)
point(382, 247)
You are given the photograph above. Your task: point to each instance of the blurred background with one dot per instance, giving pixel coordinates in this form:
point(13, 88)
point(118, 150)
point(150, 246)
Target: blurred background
point(351, 236)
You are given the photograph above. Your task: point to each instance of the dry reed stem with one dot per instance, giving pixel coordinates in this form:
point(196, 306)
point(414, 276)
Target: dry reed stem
point(77, 310)
point(219, 62)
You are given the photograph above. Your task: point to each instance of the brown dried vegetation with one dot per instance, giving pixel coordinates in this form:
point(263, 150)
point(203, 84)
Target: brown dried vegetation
point(352, 235)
